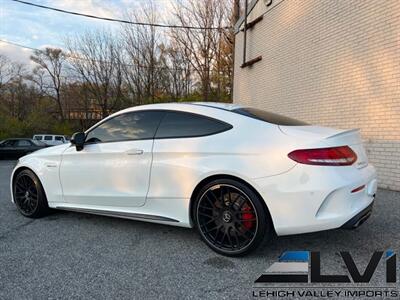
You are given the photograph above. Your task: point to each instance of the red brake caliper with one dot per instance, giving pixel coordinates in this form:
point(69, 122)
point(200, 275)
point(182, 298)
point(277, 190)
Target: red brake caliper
point(247, 216)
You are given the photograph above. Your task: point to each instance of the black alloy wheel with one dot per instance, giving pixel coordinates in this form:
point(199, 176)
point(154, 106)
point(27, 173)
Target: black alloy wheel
point(231, 218)
point(29, 196)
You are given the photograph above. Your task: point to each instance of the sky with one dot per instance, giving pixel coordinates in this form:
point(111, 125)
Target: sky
point(40, 28)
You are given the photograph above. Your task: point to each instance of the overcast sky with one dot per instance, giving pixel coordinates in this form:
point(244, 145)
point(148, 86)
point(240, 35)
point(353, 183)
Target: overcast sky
point(38, 28)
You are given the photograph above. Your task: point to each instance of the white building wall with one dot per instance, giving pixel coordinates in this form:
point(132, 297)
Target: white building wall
point(329, 62)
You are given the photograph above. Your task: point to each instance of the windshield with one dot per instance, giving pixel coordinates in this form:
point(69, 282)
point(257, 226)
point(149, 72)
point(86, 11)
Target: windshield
point(269, 117)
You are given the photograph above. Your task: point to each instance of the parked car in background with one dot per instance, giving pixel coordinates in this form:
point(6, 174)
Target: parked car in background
point(15, 148)
point(51, 139)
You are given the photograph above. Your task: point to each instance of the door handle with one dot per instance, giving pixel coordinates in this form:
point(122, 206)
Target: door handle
point(134, 152)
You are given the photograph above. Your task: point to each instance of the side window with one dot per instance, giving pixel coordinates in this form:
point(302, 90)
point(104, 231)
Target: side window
point(129, 126)
point(9, 143)
point(38, 137)
point(59, 138)
point(181, 124)
point(48, 138)
point(23, 143)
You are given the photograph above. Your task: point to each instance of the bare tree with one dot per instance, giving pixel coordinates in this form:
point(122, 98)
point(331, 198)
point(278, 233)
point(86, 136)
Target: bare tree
point(6, 71)
point(176, 78)
point(49, 74)
point(201, 46)
point(142, 55)
point(13, 89)
point(96, 59)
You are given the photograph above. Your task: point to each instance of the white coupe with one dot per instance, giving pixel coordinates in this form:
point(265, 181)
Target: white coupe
point(237, 174)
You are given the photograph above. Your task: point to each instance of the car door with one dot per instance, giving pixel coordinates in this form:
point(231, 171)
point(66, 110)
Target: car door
point(113, 168)
point(23, 147)
point(184, 145)
point(48, 140)
point(7, 150)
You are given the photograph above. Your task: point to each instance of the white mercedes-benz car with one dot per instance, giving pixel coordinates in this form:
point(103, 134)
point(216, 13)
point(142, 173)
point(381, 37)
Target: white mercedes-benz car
point(237, 174)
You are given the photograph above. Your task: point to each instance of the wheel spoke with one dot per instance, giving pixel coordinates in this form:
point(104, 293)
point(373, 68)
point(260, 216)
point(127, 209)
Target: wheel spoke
point(25, 182)
point(242, 204)
point(223, 237)
point(212, 229)
point(205, 207)
point(32, 190)
point(237, 238)
point(216, 235)
point(20, 186)
point(209, 201)
point(221, 193)
point(205, 215)
point(235, 200)
point(209, 221)
point(229, 238)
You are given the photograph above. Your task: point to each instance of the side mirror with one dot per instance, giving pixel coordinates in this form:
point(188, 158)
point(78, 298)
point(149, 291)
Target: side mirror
point(78, 139)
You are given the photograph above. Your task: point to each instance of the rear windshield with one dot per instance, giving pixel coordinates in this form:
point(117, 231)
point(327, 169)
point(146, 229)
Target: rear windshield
point(269, 117)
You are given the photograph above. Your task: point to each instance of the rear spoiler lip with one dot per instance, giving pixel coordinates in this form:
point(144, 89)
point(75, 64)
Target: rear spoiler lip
point(344, 132)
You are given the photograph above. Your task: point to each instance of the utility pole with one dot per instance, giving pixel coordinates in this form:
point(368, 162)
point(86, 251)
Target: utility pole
point(245, 31)
point(235, 19)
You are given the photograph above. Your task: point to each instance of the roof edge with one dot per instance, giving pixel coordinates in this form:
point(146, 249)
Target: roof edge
point(250, 7)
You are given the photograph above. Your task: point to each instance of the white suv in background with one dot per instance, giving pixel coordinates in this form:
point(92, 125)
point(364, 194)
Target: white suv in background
point(51, 139)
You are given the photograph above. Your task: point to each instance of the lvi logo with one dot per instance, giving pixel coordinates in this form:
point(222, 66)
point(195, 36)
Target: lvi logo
point(305, 267)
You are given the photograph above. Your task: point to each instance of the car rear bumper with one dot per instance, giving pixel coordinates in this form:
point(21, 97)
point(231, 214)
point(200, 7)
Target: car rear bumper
point(308, 198)
point(359, 219)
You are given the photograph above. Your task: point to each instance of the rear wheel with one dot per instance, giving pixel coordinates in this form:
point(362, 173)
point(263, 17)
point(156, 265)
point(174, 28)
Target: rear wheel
point(230, 217)
point(29, 196)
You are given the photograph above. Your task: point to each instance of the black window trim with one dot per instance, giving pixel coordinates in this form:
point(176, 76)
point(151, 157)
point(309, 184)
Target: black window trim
point(165, 111)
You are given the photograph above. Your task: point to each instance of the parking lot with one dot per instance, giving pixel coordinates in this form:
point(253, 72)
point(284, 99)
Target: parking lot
point(77, 255)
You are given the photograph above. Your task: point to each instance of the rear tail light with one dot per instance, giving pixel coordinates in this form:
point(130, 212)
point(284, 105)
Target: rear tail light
point(334, 156)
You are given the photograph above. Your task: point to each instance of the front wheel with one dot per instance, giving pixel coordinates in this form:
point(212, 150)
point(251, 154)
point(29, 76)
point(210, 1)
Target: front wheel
point(29, 196)
point(230, 217)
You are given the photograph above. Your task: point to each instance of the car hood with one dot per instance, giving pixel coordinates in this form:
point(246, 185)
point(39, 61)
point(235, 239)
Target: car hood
point(54, 150)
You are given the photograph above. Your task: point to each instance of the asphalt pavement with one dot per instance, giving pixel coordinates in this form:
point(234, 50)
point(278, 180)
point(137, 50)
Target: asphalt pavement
point(76, 255)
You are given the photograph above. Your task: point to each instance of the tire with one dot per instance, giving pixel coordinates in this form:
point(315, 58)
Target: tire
point(230, 217)
point(29, 195)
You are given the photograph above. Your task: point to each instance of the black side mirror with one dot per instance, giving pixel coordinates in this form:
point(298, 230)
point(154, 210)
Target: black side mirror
point(78, 139)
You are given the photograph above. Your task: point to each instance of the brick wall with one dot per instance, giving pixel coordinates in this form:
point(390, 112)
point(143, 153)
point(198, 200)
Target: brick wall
point(329, 62)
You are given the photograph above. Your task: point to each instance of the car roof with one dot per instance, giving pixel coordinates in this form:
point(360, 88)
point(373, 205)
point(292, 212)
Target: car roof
point(219, 105)
point(16, 139)
point(48, 134)
point(211, 109)
point(183, 106)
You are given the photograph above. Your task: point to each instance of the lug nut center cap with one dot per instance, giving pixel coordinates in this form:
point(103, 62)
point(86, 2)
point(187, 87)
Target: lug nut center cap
point(226, 216)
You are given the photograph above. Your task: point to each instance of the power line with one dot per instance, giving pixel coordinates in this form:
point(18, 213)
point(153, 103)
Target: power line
point(19, 45)
point(120, 20)
point(106, 62)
